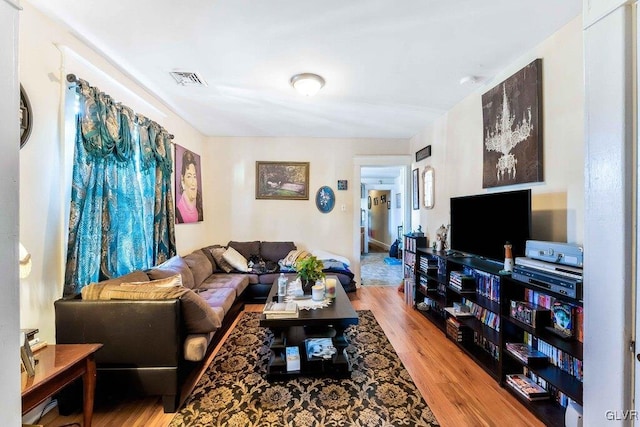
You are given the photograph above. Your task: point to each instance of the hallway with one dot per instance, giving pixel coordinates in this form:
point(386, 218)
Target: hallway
point(375, 272)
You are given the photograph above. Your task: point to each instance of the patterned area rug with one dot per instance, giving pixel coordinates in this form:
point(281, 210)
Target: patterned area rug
point(233, 391)
point(375, 272)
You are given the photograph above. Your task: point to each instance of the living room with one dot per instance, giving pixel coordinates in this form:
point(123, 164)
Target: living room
point(47, 52)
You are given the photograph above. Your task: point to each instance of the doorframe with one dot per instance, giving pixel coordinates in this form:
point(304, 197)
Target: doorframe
point(401, 161)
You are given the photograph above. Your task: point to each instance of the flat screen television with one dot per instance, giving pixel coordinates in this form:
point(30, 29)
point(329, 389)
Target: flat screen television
point(482, 224)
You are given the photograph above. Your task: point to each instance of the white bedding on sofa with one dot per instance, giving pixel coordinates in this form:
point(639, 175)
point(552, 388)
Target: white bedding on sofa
point(325, 255)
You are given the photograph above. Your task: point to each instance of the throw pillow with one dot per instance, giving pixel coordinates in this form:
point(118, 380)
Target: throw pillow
point(220, 261)
point(294, 256)
point(207, 251)
point(236, 260)
point(200, 266)
point(174, 265)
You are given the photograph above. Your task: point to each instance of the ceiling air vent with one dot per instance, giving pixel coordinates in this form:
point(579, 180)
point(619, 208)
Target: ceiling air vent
point(188, 78)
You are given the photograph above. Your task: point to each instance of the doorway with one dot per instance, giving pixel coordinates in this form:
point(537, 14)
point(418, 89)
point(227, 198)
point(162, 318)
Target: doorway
point(380, 175)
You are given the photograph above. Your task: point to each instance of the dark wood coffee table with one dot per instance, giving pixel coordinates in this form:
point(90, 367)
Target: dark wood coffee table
point(327, 322)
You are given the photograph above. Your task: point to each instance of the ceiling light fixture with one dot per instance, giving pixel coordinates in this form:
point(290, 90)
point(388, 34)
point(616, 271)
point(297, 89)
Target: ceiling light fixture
point(307, 84)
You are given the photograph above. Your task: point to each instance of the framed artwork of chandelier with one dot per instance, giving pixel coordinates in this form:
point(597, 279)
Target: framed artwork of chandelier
point(512, 129)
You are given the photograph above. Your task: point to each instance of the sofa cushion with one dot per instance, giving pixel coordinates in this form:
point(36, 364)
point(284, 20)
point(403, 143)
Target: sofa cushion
point(174, 265)
point(198, 316)
point(221, 298)
point(200, 266)
point(236, 281)
point(275, 251)
point(222, 264)
point(236, 260)
point(246, 249)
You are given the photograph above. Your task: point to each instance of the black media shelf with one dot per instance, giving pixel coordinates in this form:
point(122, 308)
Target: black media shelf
point(483, 343)
point(572, 346)
point(479, 327)
point(560, 379)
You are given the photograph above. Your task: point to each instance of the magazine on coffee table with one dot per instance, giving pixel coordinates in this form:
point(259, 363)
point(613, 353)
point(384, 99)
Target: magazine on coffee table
point(319, 348)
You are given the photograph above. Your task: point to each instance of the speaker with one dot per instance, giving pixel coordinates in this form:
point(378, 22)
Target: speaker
point(573, 415)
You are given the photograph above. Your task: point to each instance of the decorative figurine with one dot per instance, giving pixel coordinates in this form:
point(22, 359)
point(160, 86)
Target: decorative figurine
point(508, 257)
point(441, 237)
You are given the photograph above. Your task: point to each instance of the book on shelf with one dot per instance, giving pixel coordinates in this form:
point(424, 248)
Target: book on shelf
point(280, 310)
point(526, 387)
point(526, 353)
point(319, 348)
point(293, 358)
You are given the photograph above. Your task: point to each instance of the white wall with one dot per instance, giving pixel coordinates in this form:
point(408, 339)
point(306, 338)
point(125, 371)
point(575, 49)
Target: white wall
point(47, 54)
point(236, 214)
point(456, 140)
point(610, 211)
point(9, 143)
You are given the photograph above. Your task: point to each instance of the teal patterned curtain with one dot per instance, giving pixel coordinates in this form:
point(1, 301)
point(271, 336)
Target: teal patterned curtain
point(121, 217)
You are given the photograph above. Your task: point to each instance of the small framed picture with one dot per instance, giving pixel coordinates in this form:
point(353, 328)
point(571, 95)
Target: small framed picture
point(375, 201)
point(369, 202)
point(388, 204)
point(26, 356)
point(383, 198)
point(342, 184)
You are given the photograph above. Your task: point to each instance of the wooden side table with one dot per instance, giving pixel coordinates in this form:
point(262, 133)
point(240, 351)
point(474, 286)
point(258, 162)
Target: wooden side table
point(58, 365)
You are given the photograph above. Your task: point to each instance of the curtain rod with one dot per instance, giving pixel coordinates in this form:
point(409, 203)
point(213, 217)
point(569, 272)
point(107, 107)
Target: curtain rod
point(72, 78)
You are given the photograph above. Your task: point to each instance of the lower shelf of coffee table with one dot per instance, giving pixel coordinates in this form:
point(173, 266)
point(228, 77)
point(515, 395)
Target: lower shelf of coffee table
point(338, 366)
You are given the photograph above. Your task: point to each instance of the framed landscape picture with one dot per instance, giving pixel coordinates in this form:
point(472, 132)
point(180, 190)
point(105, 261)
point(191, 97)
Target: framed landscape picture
point(282, 180)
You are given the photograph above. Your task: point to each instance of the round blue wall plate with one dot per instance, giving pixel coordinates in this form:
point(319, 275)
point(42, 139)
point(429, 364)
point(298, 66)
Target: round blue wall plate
point(325, 199)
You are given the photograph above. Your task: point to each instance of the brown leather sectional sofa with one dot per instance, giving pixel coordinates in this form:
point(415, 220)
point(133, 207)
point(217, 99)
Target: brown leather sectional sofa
point(152, 343)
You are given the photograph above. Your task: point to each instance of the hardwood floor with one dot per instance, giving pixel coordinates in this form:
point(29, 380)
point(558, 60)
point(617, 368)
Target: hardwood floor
point(458, 391)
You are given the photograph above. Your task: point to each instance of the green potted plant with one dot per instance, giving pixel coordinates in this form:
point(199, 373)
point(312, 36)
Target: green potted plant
point(309, 270)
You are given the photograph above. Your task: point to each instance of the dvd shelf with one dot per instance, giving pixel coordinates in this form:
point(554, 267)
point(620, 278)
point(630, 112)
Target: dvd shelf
point(528, 339)
point(410, 245)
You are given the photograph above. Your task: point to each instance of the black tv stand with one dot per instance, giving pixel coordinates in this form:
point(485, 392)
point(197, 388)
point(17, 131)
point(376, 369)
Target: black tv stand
point(451, 252)
point(449, 278)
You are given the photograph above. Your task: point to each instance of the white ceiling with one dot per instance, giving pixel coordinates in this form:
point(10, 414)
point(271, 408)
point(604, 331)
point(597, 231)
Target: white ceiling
point(390, 67)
